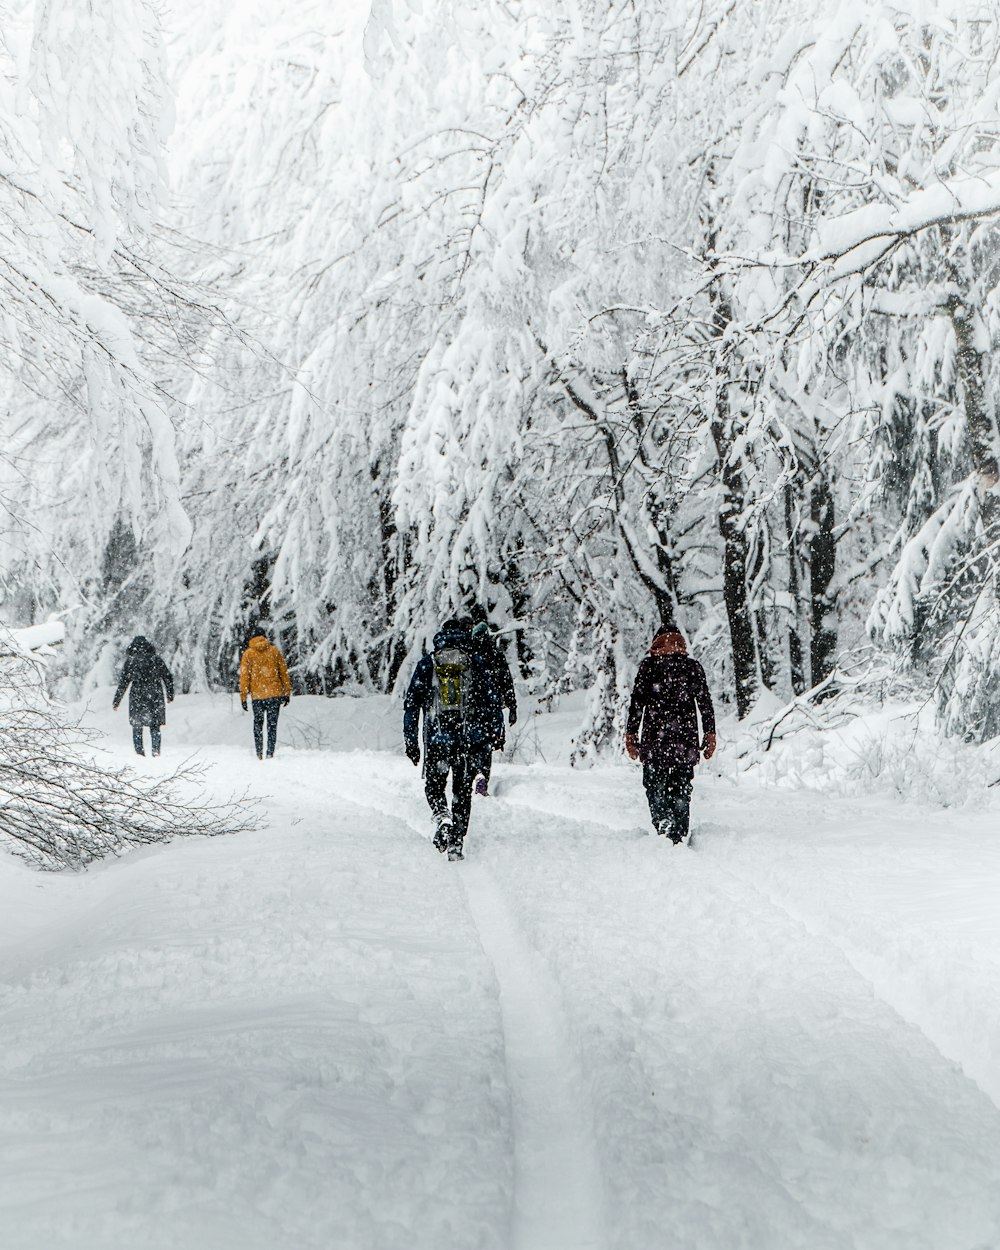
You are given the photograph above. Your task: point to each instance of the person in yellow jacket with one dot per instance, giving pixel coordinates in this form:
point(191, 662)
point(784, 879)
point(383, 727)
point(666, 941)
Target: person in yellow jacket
point(264, 678)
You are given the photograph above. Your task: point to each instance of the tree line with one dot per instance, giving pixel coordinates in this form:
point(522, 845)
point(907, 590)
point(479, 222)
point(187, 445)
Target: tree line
point(594, 313)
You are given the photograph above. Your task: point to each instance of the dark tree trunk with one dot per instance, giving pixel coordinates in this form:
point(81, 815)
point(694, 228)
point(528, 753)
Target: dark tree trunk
point(734, 561)
point(978, 421)
point(984, 442)
point(765, 662)
point(726, 428)
point(520, 603)
point(662, 587)
point(822, 566)
point(384, 664)
point(796, 652)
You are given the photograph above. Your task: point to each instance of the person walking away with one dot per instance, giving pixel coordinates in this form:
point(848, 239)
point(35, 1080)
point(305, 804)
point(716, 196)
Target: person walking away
point(503, 686)
point(146, 678)
point(669, 695)
point(264, 679)
point(451, 689)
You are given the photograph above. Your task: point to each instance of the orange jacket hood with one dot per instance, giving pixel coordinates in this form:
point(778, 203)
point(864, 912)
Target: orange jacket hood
point(263, 672)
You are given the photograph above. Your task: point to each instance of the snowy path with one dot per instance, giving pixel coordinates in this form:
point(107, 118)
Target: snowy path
point(557, 1180)
point(750, 1089)
point(325, 1035)
point(282, 1039)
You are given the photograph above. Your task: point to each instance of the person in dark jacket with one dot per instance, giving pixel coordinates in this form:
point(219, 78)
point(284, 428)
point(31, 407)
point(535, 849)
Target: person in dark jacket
point(452, 690)
point(669, 696)
point(148, 678)
point(503, 685)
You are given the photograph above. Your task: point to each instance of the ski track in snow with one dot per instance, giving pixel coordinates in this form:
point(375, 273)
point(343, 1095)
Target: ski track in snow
point(748, 1088)
point(557, 1183)
point(557, 1180)
point(786, 1106)
point(324, 1034)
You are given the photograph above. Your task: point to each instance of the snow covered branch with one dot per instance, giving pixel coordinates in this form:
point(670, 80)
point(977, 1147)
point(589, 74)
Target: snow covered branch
point(61, 807)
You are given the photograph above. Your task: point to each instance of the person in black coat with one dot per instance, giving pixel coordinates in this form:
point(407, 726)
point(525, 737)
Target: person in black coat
point(148, 678)
point(486, 648)
point(669, 696)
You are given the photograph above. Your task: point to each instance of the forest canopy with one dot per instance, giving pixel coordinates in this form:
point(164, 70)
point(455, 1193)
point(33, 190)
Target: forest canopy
point(585, 314)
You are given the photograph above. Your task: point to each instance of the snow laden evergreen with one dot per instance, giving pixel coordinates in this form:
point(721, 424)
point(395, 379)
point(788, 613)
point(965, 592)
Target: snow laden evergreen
point(592, 315)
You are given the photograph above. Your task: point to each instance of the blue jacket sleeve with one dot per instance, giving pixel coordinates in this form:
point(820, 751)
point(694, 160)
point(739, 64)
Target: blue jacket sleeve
point(494, 705)
point(415, 699)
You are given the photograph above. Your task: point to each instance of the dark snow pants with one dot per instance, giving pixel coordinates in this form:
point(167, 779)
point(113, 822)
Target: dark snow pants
point(269, 708)
point(669, 793)
point(154, 739)
point(438, 763)
point(481, 759)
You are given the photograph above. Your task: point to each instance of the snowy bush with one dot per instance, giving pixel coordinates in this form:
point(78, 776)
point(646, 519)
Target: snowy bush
point(871, 738)
point(921, 766)
point(60, 807)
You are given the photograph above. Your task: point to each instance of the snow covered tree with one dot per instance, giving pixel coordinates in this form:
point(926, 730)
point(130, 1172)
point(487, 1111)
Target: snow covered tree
point(586, 314)
point(896, 160)
point(96, 321)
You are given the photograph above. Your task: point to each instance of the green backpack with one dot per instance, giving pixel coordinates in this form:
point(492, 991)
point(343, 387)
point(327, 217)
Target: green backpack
point(452, 672)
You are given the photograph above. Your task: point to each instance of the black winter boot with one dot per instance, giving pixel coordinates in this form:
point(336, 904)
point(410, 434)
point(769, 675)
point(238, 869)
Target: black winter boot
point(442, 836)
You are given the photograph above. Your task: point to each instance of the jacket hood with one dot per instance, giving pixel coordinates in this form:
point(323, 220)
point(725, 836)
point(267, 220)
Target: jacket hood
point(669, 642)
point(140, 645)
point(452, 635)
point(259, 643)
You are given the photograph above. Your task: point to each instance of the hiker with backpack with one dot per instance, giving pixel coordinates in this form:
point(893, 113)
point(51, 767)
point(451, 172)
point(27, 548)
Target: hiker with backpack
point(669, 696)
point(148, 678)
point(502, 681)
point(451, 688)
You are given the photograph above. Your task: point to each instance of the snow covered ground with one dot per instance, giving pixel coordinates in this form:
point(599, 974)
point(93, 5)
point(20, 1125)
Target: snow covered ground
point(323, 1035)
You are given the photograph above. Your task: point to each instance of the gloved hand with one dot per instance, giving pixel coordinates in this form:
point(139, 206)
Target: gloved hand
point(413, 753)
point(632, 746)
point(286, 699)
point(499, 744)
point(512, 717)
point(243, 704)
point(708, 746)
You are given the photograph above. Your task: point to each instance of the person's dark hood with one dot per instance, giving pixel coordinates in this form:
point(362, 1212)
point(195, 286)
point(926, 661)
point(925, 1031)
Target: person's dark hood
point(141, 645)
point(452, 634)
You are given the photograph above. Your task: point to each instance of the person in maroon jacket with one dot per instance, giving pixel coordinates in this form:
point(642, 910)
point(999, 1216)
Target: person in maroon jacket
point(669, 695)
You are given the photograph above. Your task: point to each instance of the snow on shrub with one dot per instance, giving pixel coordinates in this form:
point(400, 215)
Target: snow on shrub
point(60, 807)
point(855, 744)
